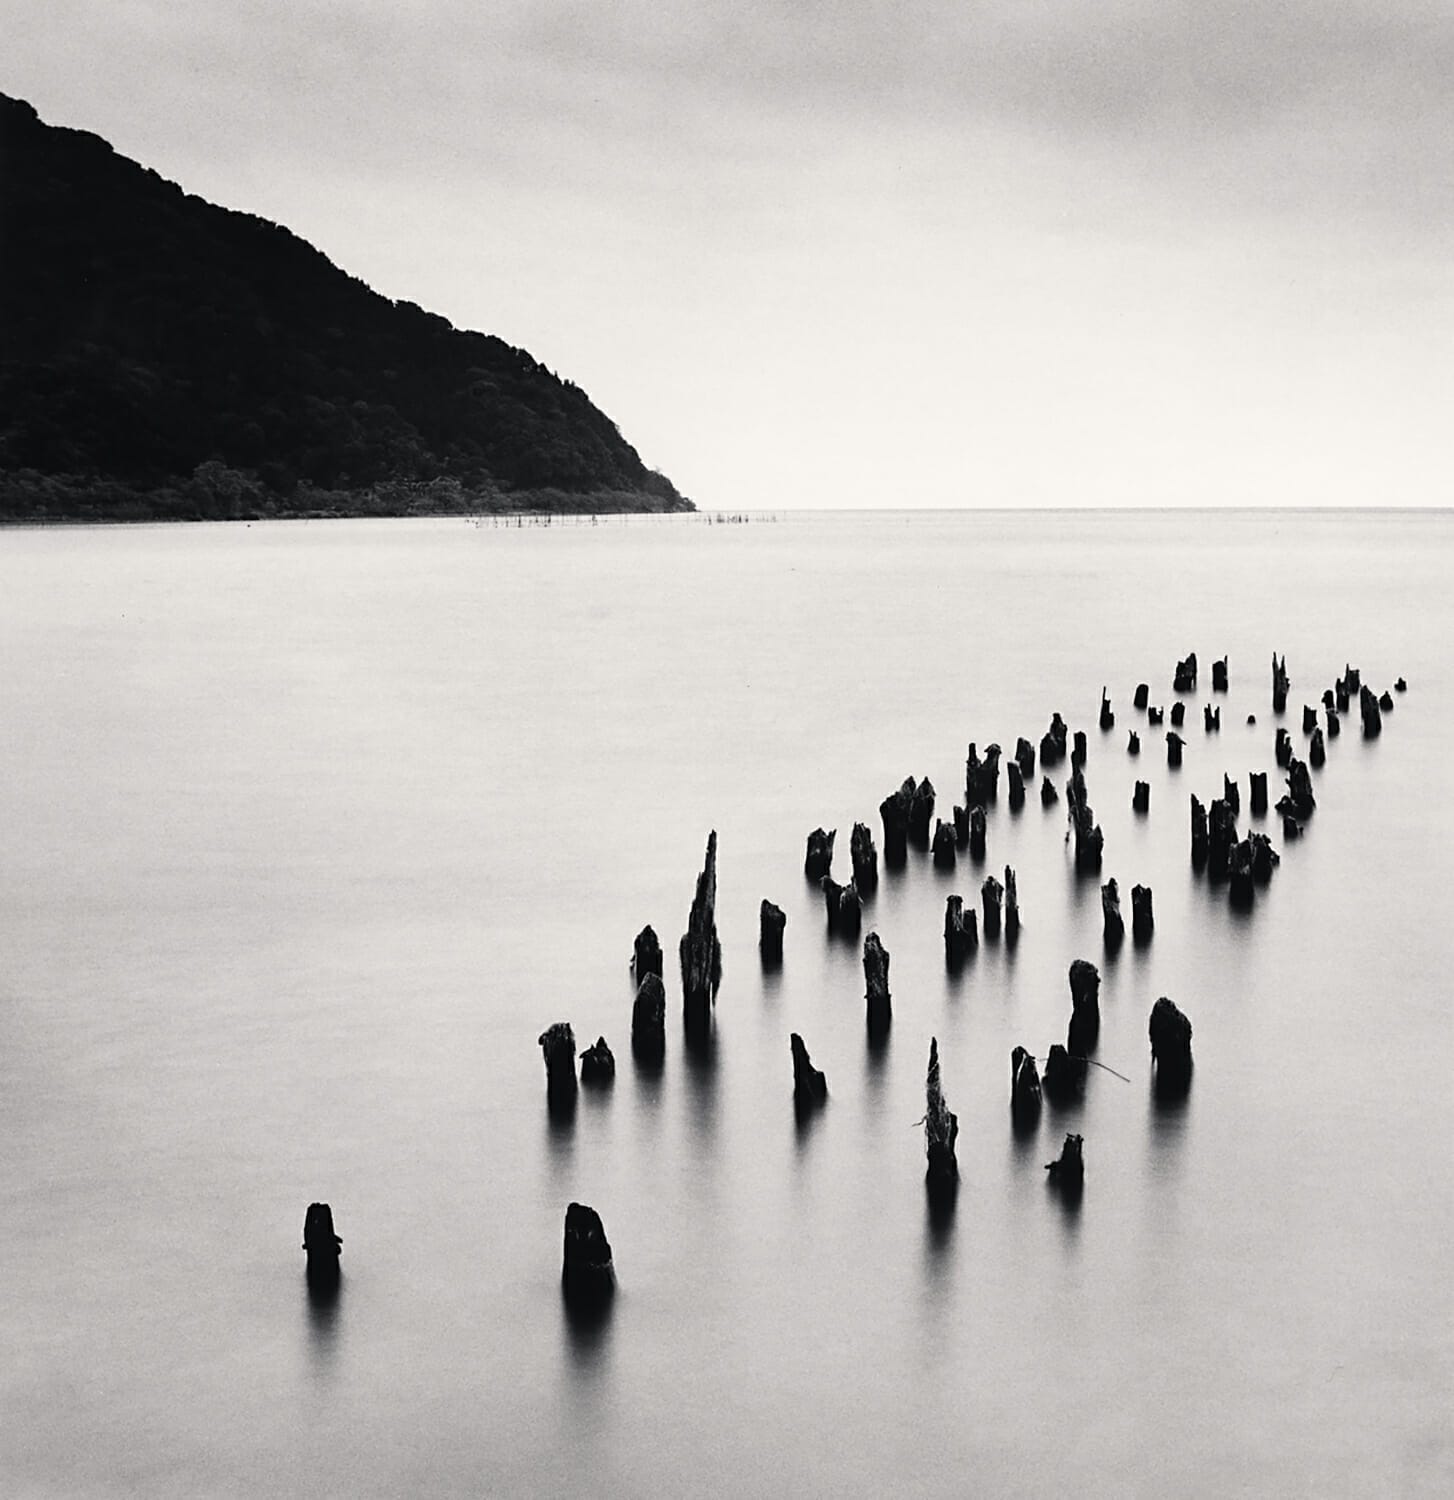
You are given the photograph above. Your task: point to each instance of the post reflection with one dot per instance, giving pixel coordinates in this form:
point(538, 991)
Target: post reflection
point(701, 1054)
point(323, 1329)
point(587, 1330)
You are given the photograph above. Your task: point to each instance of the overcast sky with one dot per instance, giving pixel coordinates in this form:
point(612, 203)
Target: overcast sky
point(1136, 252)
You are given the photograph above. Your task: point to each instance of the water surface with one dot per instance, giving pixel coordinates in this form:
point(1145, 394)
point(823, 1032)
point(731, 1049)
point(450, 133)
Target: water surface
point(310, 829)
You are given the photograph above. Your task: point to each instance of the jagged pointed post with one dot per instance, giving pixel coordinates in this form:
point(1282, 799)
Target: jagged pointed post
point(701, 953)
point(1024, 1088)
point(810, 1086)
point(941, 1130)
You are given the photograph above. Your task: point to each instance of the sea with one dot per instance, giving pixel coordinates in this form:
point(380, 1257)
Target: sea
point(309, 829)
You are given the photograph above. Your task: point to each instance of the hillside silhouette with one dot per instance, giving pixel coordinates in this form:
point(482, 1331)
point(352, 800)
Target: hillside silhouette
point(161, 357)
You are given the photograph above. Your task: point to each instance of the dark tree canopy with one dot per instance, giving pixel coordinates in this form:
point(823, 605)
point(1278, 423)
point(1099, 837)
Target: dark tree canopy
point(163, 356)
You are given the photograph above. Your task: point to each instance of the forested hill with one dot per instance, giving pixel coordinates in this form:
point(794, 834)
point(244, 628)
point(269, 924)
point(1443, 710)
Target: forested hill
point(161, 356)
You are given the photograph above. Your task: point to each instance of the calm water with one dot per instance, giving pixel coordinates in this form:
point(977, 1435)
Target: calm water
point(310, 829)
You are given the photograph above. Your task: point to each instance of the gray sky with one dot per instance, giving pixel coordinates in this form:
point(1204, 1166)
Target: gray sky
point(1000, 253)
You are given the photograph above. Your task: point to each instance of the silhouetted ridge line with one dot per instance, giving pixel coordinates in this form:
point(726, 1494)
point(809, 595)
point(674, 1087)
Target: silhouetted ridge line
point(164, 357)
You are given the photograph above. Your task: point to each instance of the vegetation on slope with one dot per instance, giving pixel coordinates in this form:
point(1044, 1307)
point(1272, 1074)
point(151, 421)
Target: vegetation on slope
point(163, 357)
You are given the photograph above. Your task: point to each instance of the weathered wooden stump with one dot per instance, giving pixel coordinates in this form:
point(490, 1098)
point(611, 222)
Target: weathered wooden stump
point(921, 813)
point(1068, 1172)
point(1298, 800)
point(588, 1277)
point(1024, 1088)
point(865, 858)
point(1065, 1075)
point(894, 810)
point(1200, 838)
point(1017, 786)
point(943, 846)
point(961, 827)
point(1089, 840)
point(323, 1246)
point(1085, 1008)
point(1280, 684)
point(646, 954)
point(991, 893)
point(1143, 923)
point(648, 1017)
point(1170, 1033)
point(1221, 839)
point(1372, 712)
point(818, 861)
point(843, 907)
point(879, 1008)
point(598, 1064)
point(961, 931)
point(1113, 925)
point(558, 1044)
point(771, 921)
point(982, 776)
point(1052, 743)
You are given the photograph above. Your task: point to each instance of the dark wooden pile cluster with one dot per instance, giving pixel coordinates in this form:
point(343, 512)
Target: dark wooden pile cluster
point(1218, 851)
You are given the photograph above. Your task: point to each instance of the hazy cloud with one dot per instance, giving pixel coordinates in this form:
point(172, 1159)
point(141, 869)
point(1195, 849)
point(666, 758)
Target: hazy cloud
point(1206, 246)
point(1344, 103)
